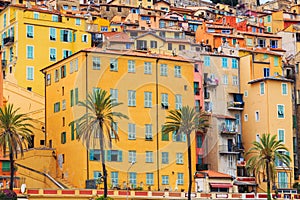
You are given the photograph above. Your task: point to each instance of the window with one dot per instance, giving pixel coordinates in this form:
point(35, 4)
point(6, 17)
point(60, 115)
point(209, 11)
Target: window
point(104, 28)
point(48, 79)
point(178, 101)
point(284, 89)
point(269, 18)
point(178, 137)
point(76, 64)
point(147, 68)
point(52, 54)
point(141, 44)
point(164, 101)
point(96, 63)
point(256, 115)
point(114, 95)
point(84, 38)
point(71, 98)
point(63, 71)
point(131, 66)
point(76, 96)
point(234, 63)
point(52, 34)
point(199, 141)
point(280, 111)
point(66, 53)
point(36, 15)
point(266, 72)
point(65, 7)
point(65, 36)
point(274, 43)
point(5, 166)
point(131, 98)
point(114, 130)
point(29, 31)
point(11, 54)
point(224, 62)
point(262, 88)
point(4, 20)
point(206, 61)
point(177, 70)
point(147, 99)
point(246, 117)
point(127, 45)
point(165, 136)
point(261, 43)
point(56, 75)
point(131, 156)
point(165, 180)
point(170, 46)
point(153, 44)
point(149, 156)
point(282, 180)
point(163, 69)
point(165, 157)
point(131, 131)
point(180, 179)
point(179, 158)
point(148, 132)
point(234, 41)
point(225, 79)
point(235, 80)
point(77, 21)
point(54, 18)
point(281, 135)
point(230, 161)
point(63, 137)
point(114, 179)
point(181, 47)
point(276, 61)
point(149, 178)
point(29, 73)
point(29, 52)
point(57, 107)
point(97, 175)
point(95, 154)
point(132, 179)
point(113, 64)
point(114, 155)
point(249, 42)
point(72, 131)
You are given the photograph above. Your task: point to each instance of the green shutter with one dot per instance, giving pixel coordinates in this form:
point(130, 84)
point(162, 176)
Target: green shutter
point(61, 35)
point(294, 121)
point(69, 36)
point(76, 96)
point(165, 136)
point(288, 154)
point(120, 156)
point(5, 166)
point(74, 37)
point(92, 154)
point(72, 98)
point(72, 131)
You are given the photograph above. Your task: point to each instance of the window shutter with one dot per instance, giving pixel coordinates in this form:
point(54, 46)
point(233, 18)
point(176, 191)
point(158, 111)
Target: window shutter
point(108, 155)
point(76, 96)
point(120, 156)
point(288, 154)
point(61, 35)
point(74, 37)
point(92, 154)
point(72, 131)
point(69, 36)
point(71, 98)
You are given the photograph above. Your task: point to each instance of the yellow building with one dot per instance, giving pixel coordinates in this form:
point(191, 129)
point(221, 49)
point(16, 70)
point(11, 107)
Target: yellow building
point(145, 84)
point(34, 37)
point(268, 108)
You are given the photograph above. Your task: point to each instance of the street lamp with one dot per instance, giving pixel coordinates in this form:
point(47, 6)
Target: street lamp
point(131, 164)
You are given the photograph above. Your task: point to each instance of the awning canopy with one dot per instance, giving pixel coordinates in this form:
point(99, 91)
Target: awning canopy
point(220, 185)
point(247, 183)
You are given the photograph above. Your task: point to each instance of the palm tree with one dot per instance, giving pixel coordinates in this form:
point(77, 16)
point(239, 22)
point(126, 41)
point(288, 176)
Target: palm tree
point(15, 132)
point(264, 155)
point(185, 121)
point(97, 120)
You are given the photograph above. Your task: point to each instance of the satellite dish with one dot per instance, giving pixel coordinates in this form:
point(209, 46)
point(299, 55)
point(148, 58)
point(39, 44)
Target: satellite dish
point(23, 188)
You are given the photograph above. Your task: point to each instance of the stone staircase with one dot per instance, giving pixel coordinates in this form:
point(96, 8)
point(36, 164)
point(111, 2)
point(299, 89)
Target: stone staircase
point(65, 183)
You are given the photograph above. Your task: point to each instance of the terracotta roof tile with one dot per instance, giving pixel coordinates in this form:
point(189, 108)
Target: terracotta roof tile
point(212, 174)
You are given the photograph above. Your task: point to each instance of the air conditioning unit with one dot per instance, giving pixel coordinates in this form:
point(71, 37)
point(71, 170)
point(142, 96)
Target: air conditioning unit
point(148, 21)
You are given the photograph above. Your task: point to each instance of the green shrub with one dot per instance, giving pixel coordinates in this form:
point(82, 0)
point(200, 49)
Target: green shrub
point(102, 198)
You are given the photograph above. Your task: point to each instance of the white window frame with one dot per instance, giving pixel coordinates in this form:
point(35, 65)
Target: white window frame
point(131, 66)
point(165, 180)
point(113, 64)
point(131, 131)
point(147, 68)
point(50, 34)
point(95, 62)
point(179, 158)
point(148, 131)
point(257, 117)
point(235, 80)
point(115, 127)
point(180, 178)
point(148, 99)
point(149, 178)
point(28, 68)
point(225, 79)
point(114, 95)
point(27, 31)
point(131, 156)
point(262, 88)
point(52, 54)
point(279, 132)
point(178, 101)
point(286, 89)
point(85, 38)
point(163, 69)
point(177, 71)
point(165, 157)
point(27, 46)
point(278, 111)
point(149, 156)
point(164, 99)
point(131, 98)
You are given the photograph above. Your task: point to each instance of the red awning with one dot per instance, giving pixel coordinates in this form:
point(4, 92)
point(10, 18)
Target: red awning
point(221, 185)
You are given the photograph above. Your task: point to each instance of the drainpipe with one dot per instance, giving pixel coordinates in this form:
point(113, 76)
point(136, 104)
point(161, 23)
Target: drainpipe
point(157, 137)
point(86, 110)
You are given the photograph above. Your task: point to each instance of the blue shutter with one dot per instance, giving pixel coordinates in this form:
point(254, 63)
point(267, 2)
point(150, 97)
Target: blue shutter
point(120, 156)
point(91, 154)
point(61, 35)
point(108, 155)
point(69, 36)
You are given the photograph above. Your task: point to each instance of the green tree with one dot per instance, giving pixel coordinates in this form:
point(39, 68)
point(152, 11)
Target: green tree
point(227, 2)
point(185, 121)
point(15, 133)
point(264, 155)
point(96, 122)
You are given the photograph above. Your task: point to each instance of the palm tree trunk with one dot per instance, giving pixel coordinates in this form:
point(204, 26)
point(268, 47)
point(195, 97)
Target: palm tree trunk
point(12, 171)
point(189, 165)
point(102, 160)
point(268, 181)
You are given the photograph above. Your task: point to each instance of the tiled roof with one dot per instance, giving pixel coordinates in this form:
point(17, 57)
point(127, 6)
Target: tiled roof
point(212, 174)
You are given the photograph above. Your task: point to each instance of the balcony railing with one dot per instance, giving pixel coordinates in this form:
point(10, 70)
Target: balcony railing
point(233, 105)
point(225, 149)
point(211, 82)
point(231, 129)
point(8, 41)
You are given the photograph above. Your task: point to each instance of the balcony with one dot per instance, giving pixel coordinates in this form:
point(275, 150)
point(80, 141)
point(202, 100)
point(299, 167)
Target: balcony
point(211, 81)
point(225, 149)
point(235, 105)
point(3, 63)
point(8, 41)
point(148, 138)
point(228, 129)
point(200, 167)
